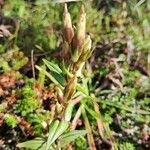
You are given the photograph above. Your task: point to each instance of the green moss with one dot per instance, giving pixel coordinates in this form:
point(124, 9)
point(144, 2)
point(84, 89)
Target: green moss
point(80, 143)
point(10, 120)
point(29, 101)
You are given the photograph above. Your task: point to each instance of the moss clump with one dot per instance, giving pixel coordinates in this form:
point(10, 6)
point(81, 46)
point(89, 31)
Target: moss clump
point(29, 101)
point(10, 120)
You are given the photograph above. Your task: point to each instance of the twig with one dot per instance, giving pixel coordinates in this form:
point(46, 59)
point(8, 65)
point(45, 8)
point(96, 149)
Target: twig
point(148, 62)
point(65, 1)
point(116, 81)
point(53, 108)
point(118, 69)
point(77, 100)
point(32, 63)
point(109, 134)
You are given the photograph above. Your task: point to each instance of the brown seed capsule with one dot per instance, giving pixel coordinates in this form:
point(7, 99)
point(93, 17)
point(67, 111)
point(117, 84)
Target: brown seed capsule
point(68, 29)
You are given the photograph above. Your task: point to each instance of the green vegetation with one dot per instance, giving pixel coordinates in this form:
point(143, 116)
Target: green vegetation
point(75, 75)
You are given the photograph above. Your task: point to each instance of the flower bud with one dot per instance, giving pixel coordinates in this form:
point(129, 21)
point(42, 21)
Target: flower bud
point(86, 49)
point(87, 45)
point(68, 29)
point(86, 56)
point(81, 27)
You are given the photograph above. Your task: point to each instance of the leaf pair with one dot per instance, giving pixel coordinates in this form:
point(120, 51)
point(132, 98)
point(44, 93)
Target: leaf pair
point(56, 74)
point(56, 130)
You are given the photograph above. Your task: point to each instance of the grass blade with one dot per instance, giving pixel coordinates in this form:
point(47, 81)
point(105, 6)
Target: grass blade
point(89, 130)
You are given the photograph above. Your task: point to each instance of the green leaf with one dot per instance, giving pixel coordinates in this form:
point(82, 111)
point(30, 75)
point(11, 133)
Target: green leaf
point(49, 75)
point(59, 78)
point(66, 69)
point(67, 138)
point(68, 111)
point(90, 111)
point(37, 143)
point(52, 130)
point(52, 66)
point(55, 75)
point(81, 89)
point(56, 72)
point(60, 130)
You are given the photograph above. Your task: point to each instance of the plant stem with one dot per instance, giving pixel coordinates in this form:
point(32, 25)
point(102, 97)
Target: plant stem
point(89, 130)
point(70, 88)
point(100, 125)
point(76, 118)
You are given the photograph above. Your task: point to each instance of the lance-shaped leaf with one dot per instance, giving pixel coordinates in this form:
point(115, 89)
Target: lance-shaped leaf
point(60, 130)
point(57, 129)
point(56, 72)
point(67, 138)
point(49, 76)
point(37, 143)
point(68, 111)
point(52, 130)
point(52, 66)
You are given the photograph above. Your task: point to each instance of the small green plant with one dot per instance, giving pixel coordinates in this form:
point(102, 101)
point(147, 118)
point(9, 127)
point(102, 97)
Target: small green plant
point(13, 60)
point(29, 102)
point(10, 120)
point(56, 132)
point(108, 96)
point(77, 55)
